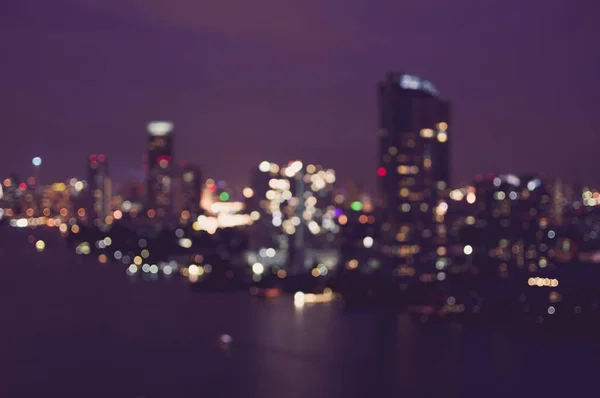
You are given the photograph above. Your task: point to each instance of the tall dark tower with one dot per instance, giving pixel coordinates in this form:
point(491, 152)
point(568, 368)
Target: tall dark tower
point(192, 183)
point(99, 188)
point(160, 168)
point(414, 175)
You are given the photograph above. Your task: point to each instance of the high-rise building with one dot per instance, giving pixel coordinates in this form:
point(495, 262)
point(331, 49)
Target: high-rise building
point(414, 174)
point(13, 192)
point(259, 186)
point(295, 214)
point(160, 168)
point(558, 202)
point(192, 183)
point(99, 188)
point(510, 231)
point(34, 180)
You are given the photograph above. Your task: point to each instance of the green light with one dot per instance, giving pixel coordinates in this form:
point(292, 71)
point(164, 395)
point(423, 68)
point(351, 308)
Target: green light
point(224, 196)
point(356, 206)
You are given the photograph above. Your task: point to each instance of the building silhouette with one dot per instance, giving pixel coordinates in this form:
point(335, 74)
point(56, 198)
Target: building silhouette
point(99, 188)
point(191, 183)
point(160, 168)
point(413, 174)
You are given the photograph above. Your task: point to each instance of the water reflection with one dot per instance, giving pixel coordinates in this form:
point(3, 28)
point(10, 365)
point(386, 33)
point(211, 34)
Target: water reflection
point(396, 355)
point(502, 358)
point(68, 326)
point(405, 371)
point(289, 350)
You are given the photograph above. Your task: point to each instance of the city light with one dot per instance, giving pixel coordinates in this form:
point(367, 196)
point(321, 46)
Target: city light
point(160, 128)
point(40, 245)
point(185, 243)
point(248, 192)
point(301, 220)
point(356, 206)
point(258, 268)
point(264, 166)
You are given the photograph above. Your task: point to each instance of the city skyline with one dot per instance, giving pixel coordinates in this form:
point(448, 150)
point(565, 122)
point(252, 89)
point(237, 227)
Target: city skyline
point(328, 197)
point(212, 84)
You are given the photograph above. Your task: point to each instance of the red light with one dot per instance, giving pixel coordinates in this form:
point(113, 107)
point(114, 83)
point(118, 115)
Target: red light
point(381, 172)
point(478, 177)
point(92, 158)
point(491, 176)
point(166, 158)
point(22, 186)
point(101, 158)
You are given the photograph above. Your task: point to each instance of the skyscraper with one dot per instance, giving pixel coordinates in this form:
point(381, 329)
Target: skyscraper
point(295, 214)
point(99, 188)
point(414, 174)
point(160, 168)
point(192, 183)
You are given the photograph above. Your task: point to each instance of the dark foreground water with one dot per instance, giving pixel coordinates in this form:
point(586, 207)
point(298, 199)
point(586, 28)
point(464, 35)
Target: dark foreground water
point(72, 328)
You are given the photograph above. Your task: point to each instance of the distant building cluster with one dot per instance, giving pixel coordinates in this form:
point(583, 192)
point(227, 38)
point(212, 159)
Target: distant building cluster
point(301, 218)
point(294, 206)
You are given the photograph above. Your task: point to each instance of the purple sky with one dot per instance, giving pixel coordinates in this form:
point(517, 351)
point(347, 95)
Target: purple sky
point(281, 79)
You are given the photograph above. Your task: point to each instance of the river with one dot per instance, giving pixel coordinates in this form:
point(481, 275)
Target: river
point(72, 327)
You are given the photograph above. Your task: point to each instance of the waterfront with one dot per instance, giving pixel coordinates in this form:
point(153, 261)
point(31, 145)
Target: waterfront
point(73, 327)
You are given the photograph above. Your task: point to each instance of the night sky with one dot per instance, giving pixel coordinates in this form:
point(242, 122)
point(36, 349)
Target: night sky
point(246, 81)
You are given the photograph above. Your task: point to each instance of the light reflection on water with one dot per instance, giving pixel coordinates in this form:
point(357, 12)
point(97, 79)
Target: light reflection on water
point(73, 326)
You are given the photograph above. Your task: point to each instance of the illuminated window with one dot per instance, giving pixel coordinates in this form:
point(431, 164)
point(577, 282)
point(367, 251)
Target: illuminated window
point(427, 133)
point(402, 169)
point(416, 196)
